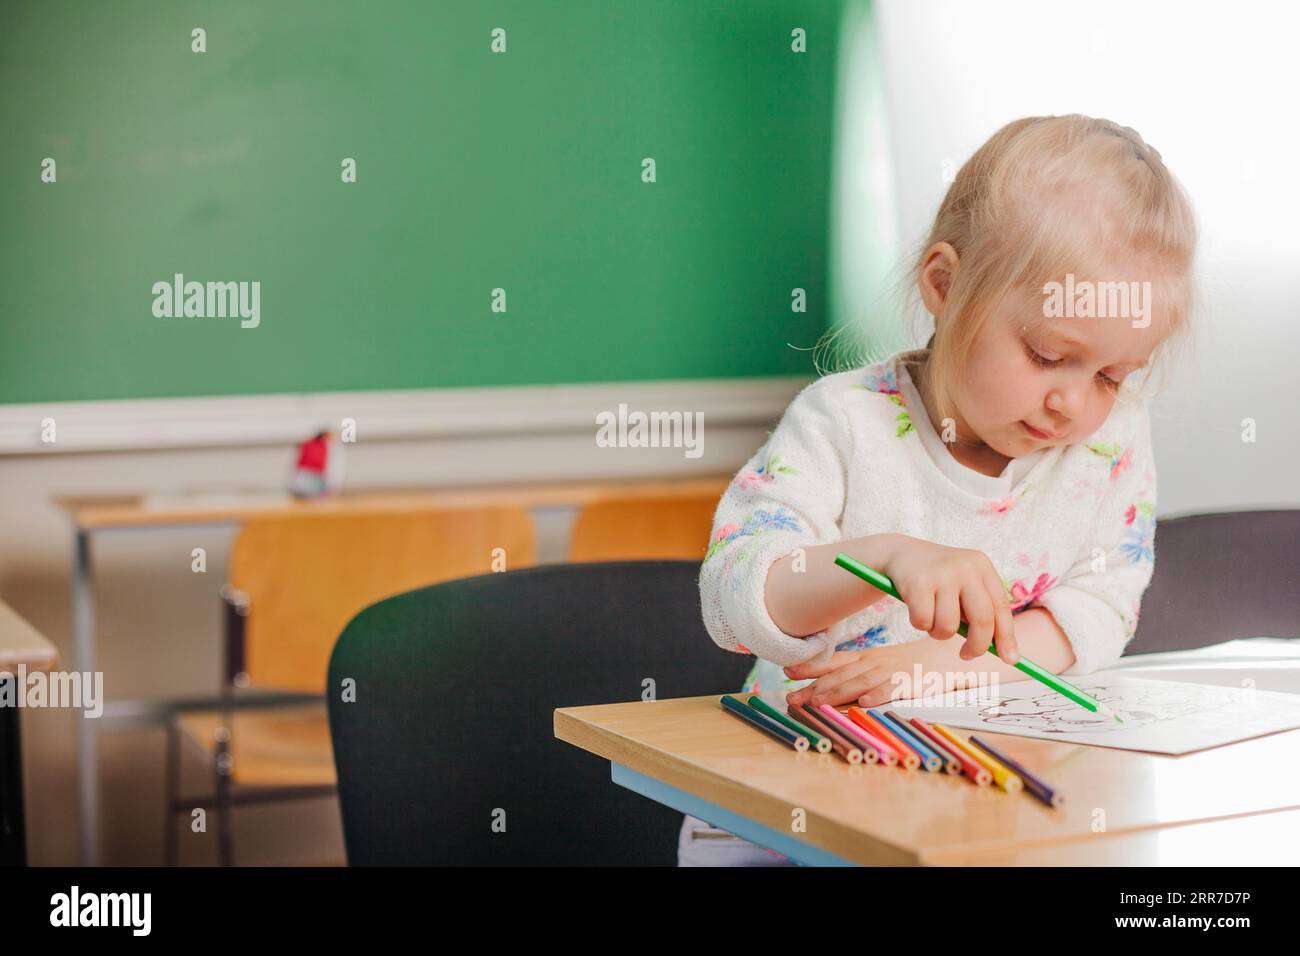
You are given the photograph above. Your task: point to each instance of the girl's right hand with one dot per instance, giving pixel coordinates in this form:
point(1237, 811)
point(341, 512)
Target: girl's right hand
point(941, 586)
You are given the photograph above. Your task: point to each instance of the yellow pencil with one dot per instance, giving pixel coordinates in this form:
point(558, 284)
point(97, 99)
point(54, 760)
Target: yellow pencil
point(1003, 777)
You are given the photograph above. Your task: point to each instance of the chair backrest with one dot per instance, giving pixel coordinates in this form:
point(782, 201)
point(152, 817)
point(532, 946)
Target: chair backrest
point(456, 688)
point(1219, 577)
point(666, 528)
point(306, 576)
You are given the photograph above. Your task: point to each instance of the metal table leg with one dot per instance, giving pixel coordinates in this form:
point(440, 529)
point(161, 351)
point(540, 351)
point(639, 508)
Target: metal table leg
point(83, 661)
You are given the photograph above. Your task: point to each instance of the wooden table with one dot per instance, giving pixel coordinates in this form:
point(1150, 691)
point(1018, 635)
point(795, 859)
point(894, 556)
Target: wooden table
point(22, 649)
point(106, 514)
point(162, 510)
point(1155, 809)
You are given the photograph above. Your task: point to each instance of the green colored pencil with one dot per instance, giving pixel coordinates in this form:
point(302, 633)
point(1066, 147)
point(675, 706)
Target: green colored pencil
point(819, 743)
point(762, 722)
point(1024, 664)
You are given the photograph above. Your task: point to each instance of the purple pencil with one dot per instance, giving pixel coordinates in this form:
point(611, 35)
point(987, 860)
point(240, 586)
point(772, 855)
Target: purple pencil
point(1033, 784)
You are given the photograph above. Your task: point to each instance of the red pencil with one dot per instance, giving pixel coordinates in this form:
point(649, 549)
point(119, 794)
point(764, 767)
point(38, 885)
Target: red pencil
point(950, 762)
point(978, 774)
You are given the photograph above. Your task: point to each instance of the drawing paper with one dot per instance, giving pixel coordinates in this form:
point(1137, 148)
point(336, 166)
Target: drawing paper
point(1160, 716)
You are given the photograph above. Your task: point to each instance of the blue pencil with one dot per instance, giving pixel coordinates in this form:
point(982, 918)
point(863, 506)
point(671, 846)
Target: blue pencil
point(763, 722)
point(896, 723)
point(950, 761)
point(930, 760)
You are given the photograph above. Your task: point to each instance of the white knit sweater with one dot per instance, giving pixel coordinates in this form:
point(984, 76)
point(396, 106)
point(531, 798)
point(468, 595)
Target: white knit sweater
point(1070, 529)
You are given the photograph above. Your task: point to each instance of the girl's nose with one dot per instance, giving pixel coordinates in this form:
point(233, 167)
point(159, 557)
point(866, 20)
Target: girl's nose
point(1066, 402)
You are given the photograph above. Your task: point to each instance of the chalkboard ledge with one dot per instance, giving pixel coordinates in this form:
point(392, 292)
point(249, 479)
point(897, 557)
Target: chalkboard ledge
point(47, 428)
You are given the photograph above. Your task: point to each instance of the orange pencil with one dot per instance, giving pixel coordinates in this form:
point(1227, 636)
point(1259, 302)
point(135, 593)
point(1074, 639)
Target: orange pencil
point(884, 752)
point(906, 755)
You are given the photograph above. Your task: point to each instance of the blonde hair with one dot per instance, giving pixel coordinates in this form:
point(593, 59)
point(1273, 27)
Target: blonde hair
point(1025, 209)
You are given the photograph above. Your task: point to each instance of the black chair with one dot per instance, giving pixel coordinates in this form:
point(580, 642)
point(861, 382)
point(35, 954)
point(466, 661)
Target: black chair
point(455, 691)
point(1221, 576)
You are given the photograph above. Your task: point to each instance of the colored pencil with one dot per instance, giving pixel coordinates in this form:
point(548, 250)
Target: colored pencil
point(815, 740)
point(1023, 664)
point(886, 753)
point(1003, 777)
point(1033, 783)
point(930, 760)
point(952, 759)
point(971, 768)
point(906, 755)
point(843, 746)
point(853, 732)
point(747, 713)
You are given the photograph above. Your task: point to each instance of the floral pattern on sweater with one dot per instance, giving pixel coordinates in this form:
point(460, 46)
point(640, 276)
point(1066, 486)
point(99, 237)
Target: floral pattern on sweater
point(1024, 591)
point(1120, 458)
point(750, 480)
point(871, 637)
point(1140, 540)
point(1003, 505)
point(753, 528)
point(754, 525)
point(886, 383)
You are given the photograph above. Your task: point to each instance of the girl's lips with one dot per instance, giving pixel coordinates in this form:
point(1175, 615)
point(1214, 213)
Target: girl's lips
point(1041, 436)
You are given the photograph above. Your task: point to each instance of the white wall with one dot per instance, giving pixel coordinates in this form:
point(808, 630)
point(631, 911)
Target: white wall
point(1213, 87)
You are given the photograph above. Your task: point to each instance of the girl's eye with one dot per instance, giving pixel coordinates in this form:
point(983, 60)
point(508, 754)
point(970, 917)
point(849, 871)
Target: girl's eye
point(1104, 380)
point(1038, 359)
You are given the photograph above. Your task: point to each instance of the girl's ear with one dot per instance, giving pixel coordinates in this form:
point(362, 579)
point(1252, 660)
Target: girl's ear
point(938, 271)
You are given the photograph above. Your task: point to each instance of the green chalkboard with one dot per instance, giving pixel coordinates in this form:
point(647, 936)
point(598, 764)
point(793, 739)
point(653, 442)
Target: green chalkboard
point(475, 170)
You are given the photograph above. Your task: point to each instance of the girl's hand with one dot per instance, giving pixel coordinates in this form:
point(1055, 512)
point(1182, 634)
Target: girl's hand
point(941, 586)
point(874, 675)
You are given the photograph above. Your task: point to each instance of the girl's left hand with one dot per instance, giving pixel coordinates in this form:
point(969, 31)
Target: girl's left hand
point(876, 675)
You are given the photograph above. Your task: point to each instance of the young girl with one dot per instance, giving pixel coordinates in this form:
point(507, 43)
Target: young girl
point(1005, 467)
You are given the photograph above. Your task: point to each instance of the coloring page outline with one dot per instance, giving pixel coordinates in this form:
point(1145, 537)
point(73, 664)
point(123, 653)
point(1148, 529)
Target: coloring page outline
point(1169, 717)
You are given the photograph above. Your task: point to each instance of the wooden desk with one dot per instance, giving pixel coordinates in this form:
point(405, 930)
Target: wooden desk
point(138, 511)
point(20, 647)
point(20, 643)
point(688, 754)
point(91, 515)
